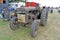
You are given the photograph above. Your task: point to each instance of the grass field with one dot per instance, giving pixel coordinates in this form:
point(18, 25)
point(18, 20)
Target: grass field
point(50, 32)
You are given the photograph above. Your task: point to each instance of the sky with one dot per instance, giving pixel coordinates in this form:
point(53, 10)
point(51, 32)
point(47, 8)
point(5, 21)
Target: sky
point(51, 3)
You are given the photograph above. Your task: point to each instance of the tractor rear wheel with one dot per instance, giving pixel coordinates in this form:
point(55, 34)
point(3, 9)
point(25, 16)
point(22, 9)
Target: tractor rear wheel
point(14, 23)
point(34, 28)
point(44, 16)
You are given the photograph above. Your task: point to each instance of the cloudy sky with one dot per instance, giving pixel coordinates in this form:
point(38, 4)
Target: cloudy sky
point(54, 3)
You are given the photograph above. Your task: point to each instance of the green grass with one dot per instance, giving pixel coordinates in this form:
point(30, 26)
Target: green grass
point(7, 34)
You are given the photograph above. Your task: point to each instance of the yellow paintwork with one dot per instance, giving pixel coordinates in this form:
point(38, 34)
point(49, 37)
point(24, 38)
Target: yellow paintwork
point(11, 14)
point(21, 18)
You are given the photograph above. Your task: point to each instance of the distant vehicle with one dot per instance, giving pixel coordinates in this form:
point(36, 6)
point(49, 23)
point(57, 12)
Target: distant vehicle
point(16, 5)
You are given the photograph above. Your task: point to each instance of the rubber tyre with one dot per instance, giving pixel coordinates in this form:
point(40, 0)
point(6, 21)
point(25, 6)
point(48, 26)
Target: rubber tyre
point(12, 25)
point(44, 16)
point(34, 28)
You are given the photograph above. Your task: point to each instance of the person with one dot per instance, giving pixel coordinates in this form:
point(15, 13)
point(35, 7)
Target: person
point(59, 10)
point(51, 10)
point(5, 14)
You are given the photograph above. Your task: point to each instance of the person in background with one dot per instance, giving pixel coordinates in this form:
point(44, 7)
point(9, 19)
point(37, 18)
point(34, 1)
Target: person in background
point(58, 9)
point(51, 10)
point(5, 14)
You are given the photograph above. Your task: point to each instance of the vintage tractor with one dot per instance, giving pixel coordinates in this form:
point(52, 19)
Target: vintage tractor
point(30, 15)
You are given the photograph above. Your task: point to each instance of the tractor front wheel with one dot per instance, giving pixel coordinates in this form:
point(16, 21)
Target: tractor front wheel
point(34, 28)
point(14, 23)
